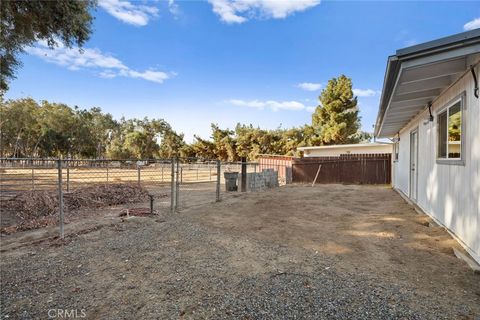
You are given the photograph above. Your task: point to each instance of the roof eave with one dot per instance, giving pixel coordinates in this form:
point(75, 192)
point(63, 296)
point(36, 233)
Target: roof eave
point(422, 50)
point(388, 83)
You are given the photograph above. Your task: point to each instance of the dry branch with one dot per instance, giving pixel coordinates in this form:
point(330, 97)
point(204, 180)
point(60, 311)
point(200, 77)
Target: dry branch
point(39, 208)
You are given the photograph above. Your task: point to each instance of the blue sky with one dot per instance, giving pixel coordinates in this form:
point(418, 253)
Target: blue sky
point(222, 61)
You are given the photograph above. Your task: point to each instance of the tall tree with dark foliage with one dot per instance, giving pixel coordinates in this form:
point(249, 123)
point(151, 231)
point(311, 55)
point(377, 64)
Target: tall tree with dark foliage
point(25, 22)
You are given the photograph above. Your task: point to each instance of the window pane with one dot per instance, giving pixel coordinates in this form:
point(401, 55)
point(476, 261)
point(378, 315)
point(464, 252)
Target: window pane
point(442, 135)
point(454, 131)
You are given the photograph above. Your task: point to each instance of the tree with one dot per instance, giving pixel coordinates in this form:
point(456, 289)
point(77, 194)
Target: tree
point(251, 142)
point(202, 148)
point(31, 129)
point(25, 22)
point(140, 139)
point(362, 137)
point(225, 143)
point(93, 132)
point(20, 132)
point(58, 128)
point(172, 144)
point(336, 119)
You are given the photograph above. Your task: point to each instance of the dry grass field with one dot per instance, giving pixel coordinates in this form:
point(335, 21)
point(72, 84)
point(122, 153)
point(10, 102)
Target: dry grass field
point(17, 179)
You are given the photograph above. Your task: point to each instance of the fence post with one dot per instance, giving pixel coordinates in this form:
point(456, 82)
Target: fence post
point(60, 198)
point(68, 178)
point(210, 171)
point(33, 179)
point(138, 174)
point(107, 172)
point(385, 170)
point(244, 175)
point(181, 174)
point(218, 181)
point(161, 164)
point(363, 162)
point(172, 186)
point(177, 188)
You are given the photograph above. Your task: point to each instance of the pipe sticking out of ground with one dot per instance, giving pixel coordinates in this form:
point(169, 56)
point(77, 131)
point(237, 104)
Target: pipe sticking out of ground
point(151, 203)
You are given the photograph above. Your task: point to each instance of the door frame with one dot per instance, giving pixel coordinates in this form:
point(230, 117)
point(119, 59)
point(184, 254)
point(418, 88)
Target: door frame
point(413, 177)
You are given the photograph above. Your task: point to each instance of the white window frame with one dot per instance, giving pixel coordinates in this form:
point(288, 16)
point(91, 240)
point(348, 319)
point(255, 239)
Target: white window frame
point(453, 161)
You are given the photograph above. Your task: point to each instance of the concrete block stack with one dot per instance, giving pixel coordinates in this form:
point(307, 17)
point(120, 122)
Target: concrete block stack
point(268, 178)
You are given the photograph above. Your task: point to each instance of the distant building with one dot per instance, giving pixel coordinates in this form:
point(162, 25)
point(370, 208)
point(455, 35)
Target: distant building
point(339, 149)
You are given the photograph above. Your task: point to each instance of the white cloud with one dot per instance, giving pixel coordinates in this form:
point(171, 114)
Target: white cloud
point(474, 24)
point(105, 65)
point(226, 11)
point(364, 92)
point(309, 86)
point(311, 109)
point(239, 11)
point(149, 75)
point(173, 8)
point(135, 14)
point(269, 104)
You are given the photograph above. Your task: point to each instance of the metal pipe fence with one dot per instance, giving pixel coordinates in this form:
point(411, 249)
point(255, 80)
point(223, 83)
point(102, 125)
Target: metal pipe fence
point(163, 185)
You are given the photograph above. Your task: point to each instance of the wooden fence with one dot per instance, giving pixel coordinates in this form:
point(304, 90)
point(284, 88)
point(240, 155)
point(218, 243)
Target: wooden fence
point(348, 168)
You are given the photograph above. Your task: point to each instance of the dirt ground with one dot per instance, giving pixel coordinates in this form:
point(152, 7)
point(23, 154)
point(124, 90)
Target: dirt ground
point(331, 251)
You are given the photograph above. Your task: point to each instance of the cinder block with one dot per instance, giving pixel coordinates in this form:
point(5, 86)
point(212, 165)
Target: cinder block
point(267, 178)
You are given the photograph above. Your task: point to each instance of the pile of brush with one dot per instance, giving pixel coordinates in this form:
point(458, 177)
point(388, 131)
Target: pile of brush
point(35, 209)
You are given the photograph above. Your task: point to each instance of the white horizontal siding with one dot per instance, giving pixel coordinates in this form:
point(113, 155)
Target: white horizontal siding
point(449, 193)
point(337, 151)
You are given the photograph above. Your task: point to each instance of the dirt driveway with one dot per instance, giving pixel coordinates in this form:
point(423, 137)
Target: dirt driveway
point(332, 251)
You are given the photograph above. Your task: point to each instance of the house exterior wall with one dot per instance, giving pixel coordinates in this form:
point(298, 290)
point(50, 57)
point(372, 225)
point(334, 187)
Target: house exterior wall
point(448, 193)
point(337, 151)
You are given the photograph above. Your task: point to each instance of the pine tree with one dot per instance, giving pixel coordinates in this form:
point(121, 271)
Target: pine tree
point(336, 119)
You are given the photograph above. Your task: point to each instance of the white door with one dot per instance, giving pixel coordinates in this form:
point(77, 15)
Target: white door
point(413, 165)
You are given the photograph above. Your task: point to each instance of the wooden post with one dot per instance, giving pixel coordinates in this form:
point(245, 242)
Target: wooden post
point(316, 176)
point(385, 170)
point(33, 179)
